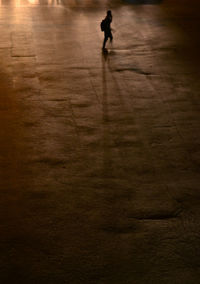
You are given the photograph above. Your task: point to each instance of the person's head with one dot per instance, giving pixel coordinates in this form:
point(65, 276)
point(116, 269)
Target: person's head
point(109, 13)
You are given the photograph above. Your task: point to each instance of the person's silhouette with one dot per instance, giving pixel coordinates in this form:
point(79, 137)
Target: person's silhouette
point(107, 29)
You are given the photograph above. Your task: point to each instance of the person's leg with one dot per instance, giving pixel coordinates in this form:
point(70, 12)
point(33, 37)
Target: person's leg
point(111, 37)
point(105, 40)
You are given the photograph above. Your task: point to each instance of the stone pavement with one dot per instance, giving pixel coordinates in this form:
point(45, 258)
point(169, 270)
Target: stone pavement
point(99, 152)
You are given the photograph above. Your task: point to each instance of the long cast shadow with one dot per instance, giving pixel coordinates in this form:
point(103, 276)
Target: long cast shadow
point(107, 168)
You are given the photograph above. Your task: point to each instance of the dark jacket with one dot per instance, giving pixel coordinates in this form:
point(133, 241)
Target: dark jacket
point(108, 21)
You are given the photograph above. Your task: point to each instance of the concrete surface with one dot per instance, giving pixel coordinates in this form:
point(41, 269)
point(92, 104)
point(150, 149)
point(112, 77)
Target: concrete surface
point(99, 152)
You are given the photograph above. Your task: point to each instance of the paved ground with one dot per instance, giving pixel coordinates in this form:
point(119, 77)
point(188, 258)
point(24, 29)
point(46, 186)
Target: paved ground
point(99, 152)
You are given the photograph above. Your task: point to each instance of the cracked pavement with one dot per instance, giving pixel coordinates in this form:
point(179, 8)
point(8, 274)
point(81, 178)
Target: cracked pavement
point(99, 151)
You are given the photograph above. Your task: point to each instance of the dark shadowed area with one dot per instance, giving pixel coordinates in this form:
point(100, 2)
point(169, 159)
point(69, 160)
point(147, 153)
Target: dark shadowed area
point(99, 151)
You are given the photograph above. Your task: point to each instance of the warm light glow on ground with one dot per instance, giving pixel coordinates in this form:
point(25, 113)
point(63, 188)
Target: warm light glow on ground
point(18, 3)
point(33, 2)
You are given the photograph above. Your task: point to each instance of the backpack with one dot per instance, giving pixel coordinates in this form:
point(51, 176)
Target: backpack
point(103, 25)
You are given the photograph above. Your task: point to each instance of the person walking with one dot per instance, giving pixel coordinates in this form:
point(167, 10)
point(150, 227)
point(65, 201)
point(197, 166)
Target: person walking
point(107, 29)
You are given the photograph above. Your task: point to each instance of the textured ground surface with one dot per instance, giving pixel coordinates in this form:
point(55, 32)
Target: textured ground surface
point(100, 153)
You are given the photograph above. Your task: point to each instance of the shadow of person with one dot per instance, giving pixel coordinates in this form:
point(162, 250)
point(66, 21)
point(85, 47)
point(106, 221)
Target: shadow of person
point(107, 159)
point(104, 56)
